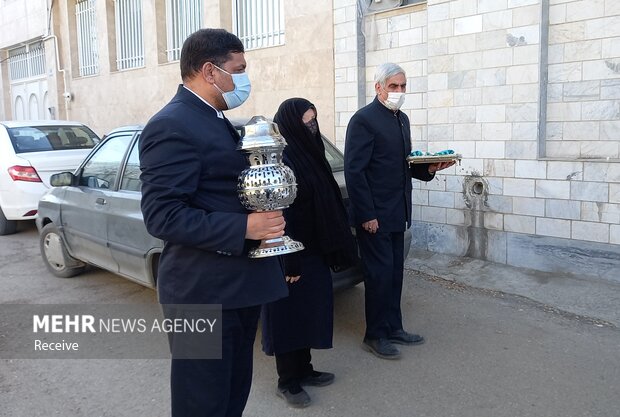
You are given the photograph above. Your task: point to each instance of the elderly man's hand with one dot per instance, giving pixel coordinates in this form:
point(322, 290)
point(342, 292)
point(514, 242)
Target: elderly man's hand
point(432, 168)
point(371, 226)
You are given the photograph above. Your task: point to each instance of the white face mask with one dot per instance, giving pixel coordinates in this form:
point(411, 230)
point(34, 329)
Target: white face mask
point(241, 92)
point(394, 100)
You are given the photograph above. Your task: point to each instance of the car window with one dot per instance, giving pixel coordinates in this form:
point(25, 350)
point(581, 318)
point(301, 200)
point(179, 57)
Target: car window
point(103, 167)
point(131, 175)
point(333, 155)
point(51, 138)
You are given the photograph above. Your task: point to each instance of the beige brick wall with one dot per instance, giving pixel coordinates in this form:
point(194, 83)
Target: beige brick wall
point(474, 85)
point(584, 80)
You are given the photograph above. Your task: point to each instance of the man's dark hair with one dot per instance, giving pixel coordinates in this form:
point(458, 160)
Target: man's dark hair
point(207, 45)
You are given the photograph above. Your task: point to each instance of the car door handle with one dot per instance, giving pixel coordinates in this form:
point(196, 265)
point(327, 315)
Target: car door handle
point(100, 201)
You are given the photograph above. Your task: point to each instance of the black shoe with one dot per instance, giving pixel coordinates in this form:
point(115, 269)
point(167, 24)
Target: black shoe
point(381, 348)
point(317, 379)
point(295, 396)
point(401, 337)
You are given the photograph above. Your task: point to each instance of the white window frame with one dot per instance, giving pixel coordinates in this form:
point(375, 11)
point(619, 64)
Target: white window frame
point(183, 17)
point(129, 34)
point(27, 61)
point(86, 27)
point(259, 23)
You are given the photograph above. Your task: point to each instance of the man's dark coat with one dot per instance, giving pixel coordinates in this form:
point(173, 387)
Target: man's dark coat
point(190, 168)
point(378, 178)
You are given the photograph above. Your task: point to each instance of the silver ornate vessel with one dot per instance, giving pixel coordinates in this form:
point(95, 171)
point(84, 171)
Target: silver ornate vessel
point(267, 184)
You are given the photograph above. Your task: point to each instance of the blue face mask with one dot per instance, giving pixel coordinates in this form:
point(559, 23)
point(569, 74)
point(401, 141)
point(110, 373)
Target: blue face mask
point(241, 92)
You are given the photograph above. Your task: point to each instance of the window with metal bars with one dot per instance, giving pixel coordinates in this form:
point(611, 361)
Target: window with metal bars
point(129, 34)
point(86, 24)
point(27, 61)
point(259, 23)
point(183, 17)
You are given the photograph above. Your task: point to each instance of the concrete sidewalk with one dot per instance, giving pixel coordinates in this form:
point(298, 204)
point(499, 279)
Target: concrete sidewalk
point(583, 296)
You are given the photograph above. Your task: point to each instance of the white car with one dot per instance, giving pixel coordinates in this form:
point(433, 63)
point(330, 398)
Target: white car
point(30, 152)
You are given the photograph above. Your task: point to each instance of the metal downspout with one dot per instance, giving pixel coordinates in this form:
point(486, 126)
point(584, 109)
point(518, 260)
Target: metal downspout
point(543, 79)
point(66, 94)
point(361, 53)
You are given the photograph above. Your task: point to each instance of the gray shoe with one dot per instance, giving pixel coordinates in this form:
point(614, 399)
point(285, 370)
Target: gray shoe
point(317, 379)
point(382, 348)
point(300, 399)
point(401, 337)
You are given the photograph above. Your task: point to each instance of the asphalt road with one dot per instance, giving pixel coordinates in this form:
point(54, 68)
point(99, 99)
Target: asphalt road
point(487, 354)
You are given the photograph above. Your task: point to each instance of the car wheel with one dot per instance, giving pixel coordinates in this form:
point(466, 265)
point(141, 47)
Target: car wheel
point(7, 227)
point(55, 255)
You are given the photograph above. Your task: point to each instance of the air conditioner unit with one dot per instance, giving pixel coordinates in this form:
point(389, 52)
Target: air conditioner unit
point(379, 5)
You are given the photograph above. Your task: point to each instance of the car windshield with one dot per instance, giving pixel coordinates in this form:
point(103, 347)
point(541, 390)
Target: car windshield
point(51, 138)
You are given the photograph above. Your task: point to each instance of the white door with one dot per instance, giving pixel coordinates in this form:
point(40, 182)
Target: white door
point(33, 108)
point(47, 110)
point(29, 98)
point(19, 110)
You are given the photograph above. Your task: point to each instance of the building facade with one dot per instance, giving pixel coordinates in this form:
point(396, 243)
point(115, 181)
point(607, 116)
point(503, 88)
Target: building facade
point(27, 54)
point(118, 60)
point(528, 91)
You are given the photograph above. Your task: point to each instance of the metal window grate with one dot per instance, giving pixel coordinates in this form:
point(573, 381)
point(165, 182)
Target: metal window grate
point(88, 56)
point(183, 17)
point(27, 61)
point(129, 34)
point(259, 23)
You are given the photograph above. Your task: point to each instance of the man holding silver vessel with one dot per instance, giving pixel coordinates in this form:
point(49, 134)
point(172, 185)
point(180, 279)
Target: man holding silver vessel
point(190, 168)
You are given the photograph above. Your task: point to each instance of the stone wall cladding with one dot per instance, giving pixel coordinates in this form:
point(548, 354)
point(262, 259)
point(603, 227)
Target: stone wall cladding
point(584, 79)
point(473, 69)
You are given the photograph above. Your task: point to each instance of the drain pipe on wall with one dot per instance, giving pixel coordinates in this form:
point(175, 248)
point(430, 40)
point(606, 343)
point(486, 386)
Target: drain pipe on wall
point(362, 8)
point(66, 94)
point(543, 78)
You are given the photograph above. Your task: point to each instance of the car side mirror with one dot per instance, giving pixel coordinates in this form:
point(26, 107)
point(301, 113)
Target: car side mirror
point(62, 179)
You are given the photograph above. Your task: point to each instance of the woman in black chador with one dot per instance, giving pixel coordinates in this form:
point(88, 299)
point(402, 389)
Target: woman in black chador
point(304, 320)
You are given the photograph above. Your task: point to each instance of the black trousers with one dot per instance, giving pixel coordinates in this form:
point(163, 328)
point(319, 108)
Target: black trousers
point(383, 259)
point(293, 366)
point(218, 387)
